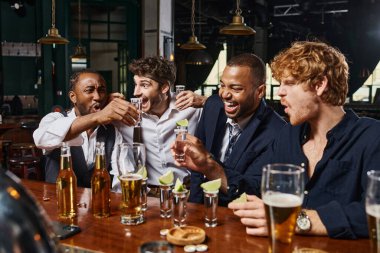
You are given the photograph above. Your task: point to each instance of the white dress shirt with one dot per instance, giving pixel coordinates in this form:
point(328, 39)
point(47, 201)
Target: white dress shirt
point(158, 135)
point(53, 128)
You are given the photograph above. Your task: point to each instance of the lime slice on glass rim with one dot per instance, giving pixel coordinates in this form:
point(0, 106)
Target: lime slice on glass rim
point(167, 178)
point(241, 199)
point(212, 186)
point(142, 171)
point(179, 187)
point(183, 123)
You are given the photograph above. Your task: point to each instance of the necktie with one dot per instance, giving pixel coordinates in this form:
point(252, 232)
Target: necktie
point(233, 136)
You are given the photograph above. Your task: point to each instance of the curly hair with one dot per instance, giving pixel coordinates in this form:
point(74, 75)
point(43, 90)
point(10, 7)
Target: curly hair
point(75, 77)
point(308, 63)
point(253, 62)
point(156, 68)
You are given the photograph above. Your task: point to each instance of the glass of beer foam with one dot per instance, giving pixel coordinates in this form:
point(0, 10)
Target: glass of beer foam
point(131, 159)
point(372, 206)
point(282, 190)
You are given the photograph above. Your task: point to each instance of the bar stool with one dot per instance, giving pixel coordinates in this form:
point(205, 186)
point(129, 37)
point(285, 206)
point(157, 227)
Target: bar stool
point(26, 167)
point(23, 149)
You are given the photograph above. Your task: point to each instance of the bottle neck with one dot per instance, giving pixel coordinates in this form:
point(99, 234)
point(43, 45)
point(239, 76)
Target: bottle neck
point(65, 162)
point(100, 162)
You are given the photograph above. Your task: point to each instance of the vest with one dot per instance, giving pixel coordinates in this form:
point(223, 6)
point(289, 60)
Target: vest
point(82, 171)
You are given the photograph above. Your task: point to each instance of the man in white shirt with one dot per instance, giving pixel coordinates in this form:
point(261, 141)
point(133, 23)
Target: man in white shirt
point(87, 122)
point(154, 77)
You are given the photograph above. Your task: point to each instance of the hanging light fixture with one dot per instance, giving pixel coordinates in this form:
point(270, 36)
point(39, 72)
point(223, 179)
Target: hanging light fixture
point(237, 27)
point(80, 52)
point(53, 37)
point(199, 57)
point(193, 43)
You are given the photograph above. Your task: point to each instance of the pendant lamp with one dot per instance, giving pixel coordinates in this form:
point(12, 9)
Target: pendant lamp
point(53, 37)
point(237, 27)
point(80, 52)
point(193, 43)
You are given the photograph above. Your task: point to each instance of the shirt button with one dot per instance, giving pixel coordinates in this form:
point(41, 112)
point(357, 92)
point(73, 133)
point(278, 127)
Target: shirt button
point(306, 192)
point(302, 164)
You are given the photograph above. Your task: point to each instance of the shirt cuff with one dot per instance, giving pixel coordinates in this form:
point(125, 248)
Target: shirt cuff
point(335, 221)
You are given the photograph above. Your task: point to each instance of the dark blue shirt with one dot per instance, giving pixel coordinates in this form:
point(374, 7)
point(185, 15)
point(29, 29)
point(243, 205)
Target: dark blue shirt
point(336, 190)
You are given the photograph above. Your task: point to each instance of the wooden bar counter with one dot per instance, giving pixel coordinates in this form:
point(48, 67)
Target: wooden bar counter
point(109, 235)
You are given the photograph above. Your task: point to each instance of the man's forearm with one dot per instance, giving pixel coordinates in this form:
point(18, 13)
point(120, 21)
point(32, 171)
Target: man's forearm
point(81, 124)
point(214, 171)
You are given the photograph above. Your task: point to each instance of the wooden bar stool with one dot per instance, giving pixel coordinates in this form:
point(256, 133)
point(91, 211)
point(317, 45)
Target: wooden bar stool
point(26, 167)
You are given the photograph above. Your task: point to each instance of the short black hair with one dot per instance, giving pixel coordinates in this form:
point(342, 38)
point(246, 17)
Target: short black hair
point(253, 62)
point(75, 77)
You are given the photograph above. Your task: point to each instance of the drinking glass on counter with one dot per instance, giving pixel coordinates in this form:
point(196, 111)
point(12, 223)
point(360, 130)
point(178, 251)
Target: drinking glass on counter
point(166, 200)
point(282, 190)
point(179, 207)
point(211, 205)
point(372, 206)
point(131, 159)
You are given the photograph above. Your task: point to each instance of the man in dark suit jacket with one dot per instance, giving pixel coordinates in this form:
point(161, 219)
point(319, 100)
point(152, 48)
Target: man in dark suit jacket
point(240, 104)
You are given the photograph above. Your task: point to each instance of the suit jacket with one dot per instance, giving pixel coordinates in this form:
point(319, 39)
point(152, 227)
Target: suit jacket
point(253, 141)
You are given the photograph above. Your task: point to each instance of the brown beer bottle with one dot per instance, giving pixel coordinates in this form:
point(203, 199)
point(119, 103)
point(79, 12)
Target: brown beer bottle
point(100, 184)
point(66, 185)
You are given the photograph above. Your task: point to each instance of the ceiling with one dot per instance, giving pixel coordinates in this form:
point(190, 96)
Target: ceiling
point(352, 26)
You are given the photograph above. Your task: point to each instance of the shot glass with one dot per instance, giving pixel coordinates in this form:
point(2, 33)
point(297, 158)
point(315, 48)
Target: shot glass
point(137, 103)
point(179, 88)
point(179, 208)
point(180, 143)
point(372, 205)
point(211, 205)
point(166, 201)
point(144, 194)
point(156, 247)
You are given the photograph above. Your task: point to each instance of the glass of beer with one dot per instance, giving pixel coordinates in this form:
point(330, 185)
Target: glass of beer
point(131, 160)
point(372, 206)
point(282, 190)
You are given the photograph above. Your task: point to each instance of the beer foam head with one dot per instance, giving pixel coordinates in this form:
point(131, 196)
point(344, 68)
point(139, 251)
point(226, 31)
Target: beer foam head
point(279, 199)
point(130, 177)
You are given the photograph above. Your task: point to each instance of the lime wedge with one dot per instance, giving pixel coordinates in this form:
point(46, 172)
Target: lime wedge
point(182, 122)
point(167, 178)
point(142, 171)
point(241, 199)
point(213, 185)
point(179, 187)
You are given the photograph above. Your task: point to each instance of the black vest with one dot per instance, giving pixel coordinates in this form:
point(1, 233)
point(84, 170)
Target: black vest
point(82, 171)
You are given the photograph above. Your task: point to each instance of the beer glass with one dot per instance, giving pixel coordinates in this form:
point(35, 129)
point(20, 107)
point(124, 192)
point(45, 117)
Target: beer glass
point(282, 189)
point(131, 158)
point(372, 206)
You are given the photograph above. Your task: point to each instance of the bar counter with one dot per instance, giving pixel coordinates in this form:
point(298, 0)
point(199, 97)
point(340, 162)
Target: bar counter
point(109, 235)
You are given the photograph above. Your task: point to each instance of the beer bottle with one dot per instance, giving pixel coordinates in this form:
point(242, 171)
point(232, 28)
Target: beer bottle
point(100, 184)
point(66, 185)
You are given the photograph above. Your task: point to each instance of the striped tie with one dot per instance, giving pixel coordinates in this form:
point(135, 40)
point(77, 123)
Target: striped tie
point(232, 140)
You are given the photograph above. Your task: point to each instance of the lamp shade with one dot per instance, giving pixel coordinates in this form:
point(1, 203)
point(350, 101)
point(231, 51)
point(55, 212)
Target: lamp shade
point(237, 27)
point(53, 37)
point(193, 44)
point(199, 57)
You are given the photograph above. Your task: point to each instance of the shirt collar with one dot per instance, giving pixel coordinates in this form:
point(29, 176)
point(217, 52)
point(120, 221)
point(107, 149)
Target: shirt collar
point(338, 131)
